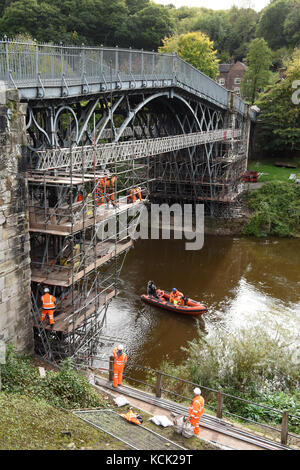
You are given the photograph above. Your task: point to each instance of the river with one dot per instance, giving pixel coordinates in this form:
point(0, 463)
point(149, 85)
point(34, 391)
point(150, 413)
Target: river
point(243, 281)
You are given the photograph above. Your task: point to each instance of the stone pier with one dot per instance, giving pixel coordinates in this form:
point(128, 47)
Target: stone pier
point(15, 311)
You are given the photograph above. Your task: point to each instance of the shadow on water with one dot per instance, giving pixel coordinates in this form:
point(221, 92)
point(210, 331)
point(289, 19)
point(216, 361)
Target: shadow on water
point(243, 282)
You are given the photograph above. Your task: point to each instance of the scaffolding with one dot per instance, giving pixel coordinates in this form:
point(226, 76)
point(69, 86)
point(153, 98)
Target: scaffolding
point(79, 237)
point(210, 173)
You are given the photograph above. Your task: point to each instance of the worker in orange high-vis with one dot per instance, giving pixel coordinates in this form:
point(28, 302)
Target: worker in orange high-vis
point(111, 189)
point(196, 410)
point(132, 417)
point(138, 193)
point(120, 359)
point(175, 296)
point(48, 306)
point(100, 190)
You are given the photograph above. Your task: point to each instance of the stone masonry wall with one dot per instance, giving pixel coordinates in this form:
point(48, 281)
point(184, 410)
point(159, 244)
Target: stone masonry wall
point(15, 312)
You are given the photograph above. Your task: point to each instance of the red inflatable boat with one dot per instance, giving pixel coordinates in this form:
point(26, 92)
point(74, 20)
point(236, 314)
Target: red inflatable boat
point(191, 308)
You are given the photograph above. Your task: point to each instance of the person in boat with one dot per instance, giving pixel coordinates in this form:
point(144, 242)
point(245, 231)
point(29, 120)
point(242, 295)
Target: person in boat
point(183, 301)
point(151, 289)
point(175, 296)
point(160, 294)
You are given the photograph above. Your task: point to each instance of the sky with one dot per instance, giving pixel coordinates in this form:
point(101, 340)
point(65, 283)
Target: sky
point(217, 4)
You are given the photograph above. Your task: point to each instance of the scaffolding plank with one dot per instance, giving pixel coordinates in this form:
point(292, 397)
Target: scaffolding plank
point(136, 436)
point(66, 229)
point(64, 278)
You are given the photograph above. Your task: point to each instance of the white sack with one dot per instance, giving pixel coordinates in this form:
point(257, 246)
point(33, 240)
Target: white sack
point(121, 401)
point(161, 421)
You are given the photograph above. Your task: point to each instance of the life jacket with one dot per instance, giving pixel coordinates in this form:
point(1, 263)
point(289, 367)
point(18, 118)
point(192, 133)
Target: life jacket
point(160, 293)
point(119, 360)
point(131, 417)
point(138, 193)
point(196, 408)
point(48, 301)
point(175, 296)
point(132, 195)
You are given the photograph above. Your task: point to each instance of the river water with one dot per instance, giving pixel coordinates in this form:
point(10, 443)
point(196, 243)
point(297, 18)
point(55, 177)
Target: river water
point(243, 281)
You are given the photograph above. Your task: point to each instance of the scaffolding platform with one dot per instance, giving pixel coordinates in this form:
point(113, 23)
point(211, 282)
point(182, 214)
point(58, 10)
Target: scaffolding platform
point(65, 276)
point(68, 321)
point(69, 221)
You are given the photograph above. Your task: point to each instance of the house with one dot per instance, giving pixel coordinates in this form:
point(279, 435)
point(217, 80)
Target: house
point(231, 76)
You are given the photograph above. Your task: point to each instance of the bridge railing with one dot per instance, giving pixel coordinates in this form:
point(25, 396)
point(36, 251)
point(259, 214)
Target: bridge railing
point(29, 63)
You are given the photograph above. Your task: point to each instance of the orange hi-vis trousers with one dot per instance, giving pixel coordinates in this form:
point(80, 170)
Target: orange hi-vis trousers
point(50, 314)
point(195, 423)
point(118, 375)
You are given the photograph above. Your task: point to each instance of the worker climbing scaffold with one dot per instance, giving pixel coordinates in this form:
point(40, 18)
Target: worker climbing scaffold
point(48, 306)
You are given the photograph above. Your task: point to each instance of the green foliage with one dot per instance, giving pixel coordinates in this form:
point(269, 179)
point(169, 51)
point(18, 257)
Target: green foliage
point(66, 388)
point(278, 127)
point(147, 27)
point(259, 59)
point(271, 23)
point(195, 48)
point(292, 24)
point(31, 424)
point(255, 365)
point(275, 210)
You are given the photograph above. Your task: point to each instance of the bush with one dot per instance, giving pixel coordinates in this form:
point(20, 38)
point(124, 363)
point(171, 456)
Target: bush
point(66, 388)
point(275, 210)
point(258, 366)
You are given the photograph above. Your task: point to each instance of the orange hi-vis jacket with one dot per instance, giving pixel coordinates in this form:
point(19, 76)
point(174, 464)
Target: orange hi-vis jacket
point(48, 301)
point(196, 408)
point(119, 361)
point(131, 417)
point(175, 296)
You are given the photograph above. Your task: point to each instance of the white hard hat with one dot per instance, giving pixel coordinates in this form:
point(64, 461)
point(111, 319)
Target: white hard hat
point(120, 347)
point(197, 391)
point(46, 289)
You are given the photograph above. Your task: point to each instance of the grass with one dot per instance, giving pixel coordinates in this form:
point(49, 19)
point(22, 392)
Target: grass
point(270, 172)
point(32, 424)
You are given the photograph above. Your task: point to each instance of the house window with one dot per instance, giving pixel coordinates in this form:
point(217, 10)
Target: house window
point(237, 81)
point(222, 81)
point(236, 90)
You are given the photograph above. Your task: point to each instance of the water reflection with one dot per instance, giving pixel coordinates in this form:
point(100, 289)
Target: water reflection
point(243, 282)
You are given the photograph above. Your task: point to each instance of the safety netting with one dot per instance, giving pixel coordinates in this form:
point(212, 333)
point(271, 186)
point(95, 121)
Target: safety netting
point(135, 436)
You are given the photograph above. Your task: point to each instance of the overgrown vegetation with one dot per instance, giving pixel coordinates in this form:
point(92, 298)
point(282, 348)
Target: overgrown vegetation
point(278, 126)
point(66, 389)
point(259, 366)
point(34, 424)
point(275, 210)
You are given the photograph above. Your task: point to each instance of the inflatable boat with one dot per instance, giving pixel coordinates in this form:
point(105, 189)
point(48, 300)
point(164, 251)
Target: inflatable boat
point(191, 308)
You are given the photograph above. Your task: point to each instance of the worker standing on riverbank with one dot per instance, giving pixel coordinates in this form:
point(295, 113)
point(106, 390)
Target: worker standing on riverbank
point(120, 359)
point(196, 410)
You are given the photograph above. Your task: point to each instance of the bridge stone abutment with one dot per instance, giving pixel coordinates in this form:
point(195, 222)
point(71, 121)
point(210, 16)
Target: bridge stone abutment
point(15, 306)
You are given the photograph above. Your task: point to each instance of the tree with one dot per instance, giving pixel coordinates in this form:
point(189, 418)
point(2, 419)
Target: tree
point(195, 48)
point(241, 31)
point(147, 27)
point(30, 16)
point(259, 59)
point(136, 5)
point(291, 25)
point(271, 23)
point(217, 27)
point(278, 128)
